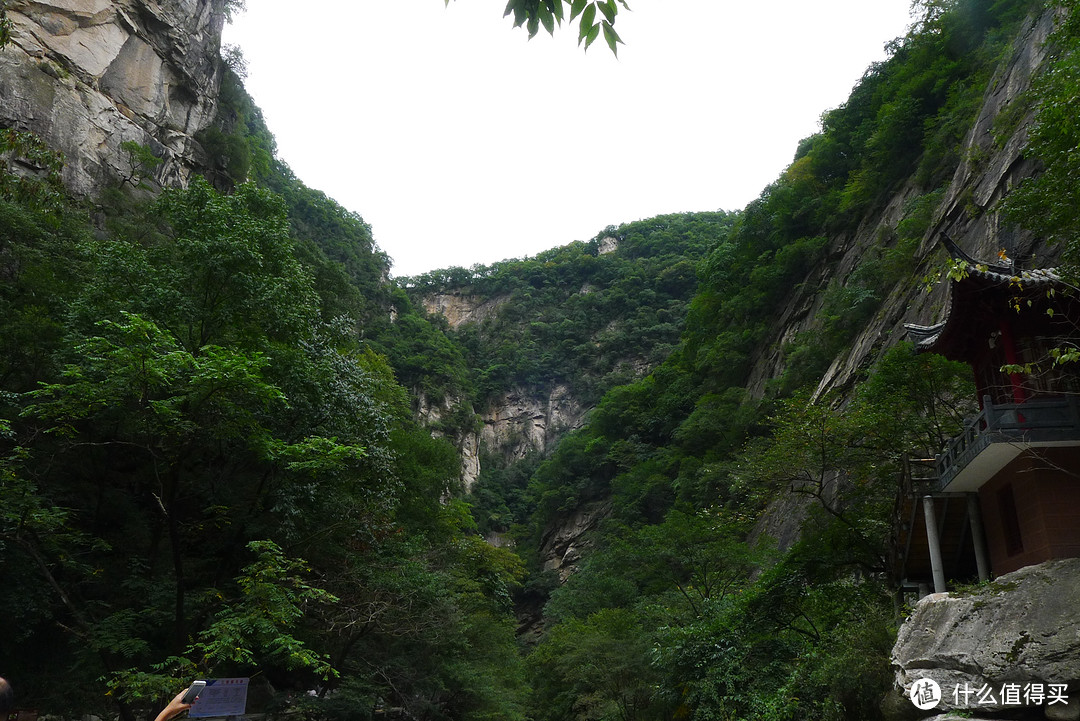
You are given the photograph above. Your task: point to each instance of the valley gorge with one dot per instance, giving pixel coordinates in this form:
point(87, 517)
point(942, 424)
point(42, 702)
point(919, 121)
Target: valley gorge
point(656, 474)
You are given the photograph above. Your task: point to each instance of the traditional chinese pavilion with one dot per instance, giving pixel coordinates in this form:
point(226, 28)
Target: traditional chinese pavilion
point(1006, 492)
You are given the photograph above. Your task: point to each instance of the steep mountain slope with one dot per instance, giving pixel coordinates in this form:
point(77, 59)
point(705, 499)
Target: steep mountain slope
point(820, 274)
point(784, 413)
point(967, 209)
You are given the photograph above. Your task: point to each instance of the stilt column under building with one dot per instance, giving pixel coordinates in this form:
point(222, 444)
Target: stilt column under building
point(978, 539)
point(934, 543)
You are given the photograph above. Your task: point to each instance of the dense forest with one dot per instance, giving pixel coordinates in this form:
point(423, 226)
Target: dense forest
point(211, 462)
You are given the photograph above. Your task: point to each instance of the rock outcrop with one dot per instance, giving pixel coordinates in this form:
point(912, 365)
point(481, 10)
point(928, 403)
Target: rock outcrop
point(1021, 630)
point(88, 75)
point(460, 308)
point(517, 424)
point(564, 543)
point(520, 423)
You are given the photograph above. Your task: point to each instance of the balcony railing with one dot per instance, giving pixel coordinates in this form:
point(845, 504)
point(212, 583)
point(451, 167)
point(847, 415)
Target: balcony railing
point(1035, 422)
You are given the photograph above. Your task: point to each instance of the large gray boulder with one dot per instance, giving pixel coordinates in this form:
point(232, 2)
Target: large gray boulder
point(1020, 632)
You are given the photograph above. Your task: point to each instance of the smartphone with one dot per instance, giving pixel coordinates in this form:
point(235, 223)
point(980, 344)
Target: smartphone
point(193, 691)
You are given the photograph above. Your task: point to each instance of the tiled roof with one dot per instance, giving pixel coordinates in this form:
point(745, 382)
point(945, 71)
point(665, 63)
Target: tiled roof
point(988, 274)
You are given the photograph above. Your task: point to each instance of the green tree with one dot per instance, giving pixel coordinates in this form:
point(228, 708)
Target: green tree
point(251, 628)
point(5, 25)
point(595, 668)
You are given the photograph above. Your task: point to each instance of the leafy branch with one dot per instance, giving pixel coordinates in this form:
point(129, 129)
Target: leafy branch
point(141, 163)
point(253, 626)
point(593, 16)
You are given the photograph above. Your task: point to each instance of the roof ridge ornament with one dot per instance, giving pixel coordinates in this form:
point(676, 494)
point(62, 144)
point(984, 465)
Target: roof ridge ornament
point(958, 254)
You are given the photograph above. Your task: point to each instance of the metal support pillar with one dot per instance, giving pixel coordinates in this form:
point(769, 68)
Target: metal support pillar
point(934, 544)
point(978, 540)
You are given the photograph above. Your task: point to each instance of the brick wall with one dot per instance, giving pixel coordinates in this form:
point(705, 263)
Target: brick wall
point(1037, 497)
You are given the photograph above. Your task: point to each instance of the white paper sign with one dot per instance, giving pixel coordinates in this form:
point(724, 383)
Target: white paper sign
point(221, 697)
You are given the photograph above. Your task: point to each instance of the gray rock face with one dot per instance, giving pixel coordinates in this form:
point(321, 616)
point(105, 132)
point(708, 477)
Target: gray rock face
point(519, 422)
point(564, 544)
point(460, 308)
point(516, 424)
point(1020, 630)
point(87, 75)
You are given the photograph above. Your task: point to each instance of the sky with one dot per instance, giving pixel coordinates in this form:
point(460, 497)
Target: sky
point(461, 141)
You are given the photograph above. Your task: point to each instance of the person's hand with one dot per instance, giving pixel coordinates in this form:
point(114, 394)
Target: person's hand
point(175, 707)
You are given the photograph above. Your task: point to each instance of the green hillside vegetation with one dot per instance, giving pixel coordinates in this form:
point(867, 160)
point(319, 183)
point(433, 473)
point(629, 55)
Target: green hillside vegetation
point(205, 471)
point(210, 466)
point(572, 316)
point(579, 317)
point(695, 401)
point(666, 618)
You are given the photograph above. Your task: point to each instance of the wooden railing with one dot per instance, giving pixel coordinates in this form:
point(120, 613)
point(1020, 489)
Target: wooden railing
point(1035, 421)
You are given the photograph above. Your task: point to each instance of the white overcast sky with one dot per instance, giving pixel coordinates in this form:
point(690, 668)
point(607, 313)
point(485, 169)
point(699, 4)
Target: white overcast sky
point(462, 142)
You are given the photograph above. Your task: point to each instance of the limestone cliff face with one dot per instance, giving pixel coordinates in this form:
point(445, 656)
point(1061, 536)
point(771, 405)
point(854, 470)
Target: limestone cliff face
point(563, 545)
point(518, 423)
point(460, 308)
point(521, 422)
point(87, 75)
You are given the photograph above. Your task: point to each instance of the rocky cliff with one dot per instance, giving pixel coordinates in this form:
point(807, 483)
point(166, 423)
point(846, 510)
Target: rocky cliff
point(515, 425)
point(563, 545)
point(88, 75)
point(460, 308)
point(519, 422)
point(992, 163)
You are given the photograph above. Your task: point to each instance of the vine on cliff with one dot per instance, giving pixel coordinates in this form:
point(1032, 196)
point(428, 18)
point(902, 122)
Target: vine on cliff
point(5, 24)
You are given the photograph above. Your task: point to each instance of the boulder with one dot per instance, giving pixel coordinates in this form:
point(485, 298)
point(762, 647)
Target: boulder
point(1001, 648)
point(1065, 712)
